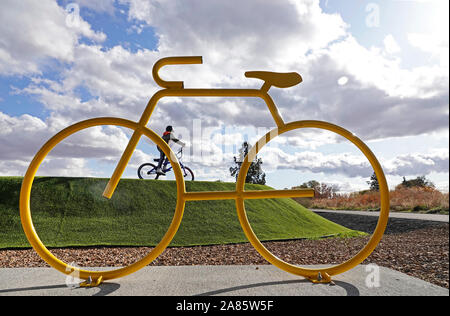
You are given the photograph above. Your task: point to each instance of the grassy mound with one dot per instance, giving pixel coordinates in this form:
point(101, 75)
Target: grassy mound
point(72, 212)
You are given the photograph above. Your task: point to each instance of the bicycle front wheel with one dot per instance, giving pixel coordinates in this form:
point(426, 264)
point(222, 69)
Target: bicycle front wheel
point(25, 194)
point(323, 273)
point(188, 174)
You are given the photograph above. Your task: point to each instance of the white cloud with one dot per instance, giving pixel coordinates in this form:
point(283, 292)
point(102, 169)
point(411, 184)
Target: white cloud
point(349, 165)
point(15, 167)
point(34, 32)
point(370, 68)
point(390, 44)
point(66, 167)
point(379, 98)
point(117, 81)
point(120, 81)
point(434, 44)
point(97, 6)
point(272, 30)
point(419, 164)
point(21, 136)
point(346, 164)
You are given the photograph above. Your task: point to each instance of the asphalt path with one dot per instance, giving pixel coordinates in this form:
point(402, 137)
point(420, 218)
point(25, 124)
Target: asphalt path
point(416, 216)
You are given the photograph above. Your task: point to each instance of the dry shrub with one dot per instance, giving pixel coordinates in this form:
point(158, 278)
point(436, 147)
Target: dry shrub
point(401, 199)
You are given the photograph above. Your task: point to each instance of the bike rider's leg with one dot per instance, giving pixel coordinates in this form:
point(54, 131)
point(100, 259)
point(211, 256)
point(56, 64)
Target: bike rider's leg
point(162, 157)
point(166, 162)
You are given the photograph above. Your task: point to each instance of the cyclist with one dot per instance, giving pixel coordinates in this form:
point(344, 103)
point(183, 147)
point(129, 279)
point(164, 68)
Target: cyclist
point(167, 136)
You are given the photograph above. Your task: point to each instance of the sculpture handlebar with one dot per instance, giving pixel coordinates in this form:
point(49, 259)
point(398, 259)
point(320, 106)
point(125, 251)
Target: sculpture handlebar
point(173, 61)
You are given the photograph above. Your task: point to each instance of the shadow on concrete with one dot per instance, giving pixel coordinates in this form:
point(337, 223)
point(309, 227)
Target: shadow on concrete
point(105, 288)
point(349, 288)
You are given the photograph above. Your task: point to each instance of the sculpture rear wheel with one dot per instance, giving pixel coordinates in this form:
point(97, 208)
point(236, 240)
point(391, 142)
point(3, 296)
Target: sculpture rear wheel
point(25, 212)
point(323, 274)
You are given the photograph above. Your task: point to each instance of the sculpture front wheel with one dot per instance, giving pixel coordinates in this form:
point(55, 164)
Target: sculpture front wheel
point(324, 274)
point(25, 212)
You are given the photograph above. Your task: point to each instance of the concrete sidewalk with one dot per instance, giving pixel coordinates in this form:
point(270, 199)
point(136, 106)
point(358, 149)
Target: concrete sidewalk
point(262, 280)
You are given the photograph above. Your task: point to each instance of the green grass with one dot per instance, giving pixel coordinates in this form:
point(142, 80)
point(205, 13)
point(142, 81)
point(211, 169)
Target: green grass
point(72, 212)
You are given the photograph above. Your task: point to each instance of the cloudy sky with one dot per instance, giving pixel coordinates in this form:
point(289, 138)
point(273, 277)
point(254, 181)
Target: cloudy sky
point(378, 68)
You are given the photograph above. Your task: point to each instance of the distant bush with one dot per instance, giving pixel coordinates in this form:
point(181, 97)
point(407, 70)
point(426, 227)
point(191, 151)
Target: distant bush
point(418, 199)
point(321, 190)
point(420, 182)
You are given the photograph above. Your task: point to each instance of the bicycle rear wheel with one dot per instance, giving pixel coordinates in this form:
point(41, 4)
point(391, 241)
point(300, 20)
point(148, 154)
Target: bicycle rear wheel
point(147, 171)
point(25, 193)
point(323, 274)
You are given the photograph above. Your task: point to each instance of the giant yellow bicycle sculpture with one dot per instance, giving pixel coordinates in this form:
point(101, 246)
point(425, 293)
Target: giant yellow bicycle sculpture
point(176, 89)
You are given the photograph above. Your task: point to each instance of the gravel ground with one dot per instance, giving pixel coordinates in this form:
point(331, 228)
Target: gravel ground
point(417, 248)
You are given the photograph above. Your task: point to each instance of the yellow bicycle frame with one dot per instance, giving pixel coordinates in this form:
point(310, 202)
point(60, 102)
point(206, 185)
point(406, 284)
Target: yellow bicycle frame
point(176, 88)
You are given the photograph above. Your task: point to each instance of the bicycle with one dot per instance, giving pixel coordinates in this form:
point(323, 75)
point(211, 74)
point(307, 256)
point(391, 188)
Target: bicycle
point(148, 170)
point(176, 89)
